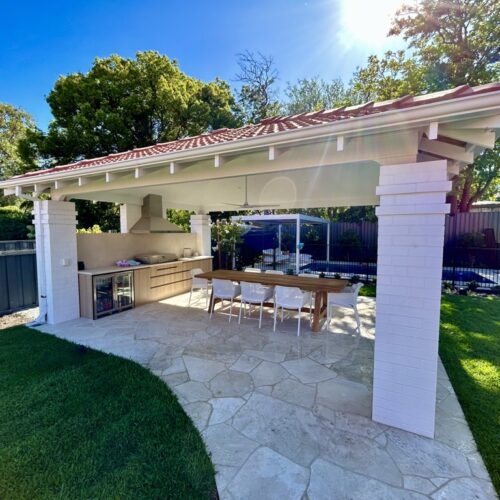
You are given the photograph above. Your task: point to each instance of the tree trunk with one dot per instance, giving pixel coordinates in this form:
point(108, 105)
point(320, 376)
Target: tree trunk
point(465, 198)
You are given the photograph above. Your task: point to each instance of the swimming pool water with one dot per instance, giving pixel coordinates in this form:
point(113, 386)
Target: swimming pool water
point(370, 270)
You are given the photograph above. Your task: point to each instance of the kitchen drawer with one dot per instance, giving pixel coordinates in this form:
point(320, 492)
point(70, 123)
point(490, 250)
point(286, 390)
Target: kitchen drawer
point(169, 278)
point(167, 268)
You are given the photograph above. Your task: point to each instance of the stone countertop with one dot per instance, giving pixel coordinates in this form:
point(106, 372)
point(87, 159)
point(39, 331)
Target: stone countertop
point(118, 269)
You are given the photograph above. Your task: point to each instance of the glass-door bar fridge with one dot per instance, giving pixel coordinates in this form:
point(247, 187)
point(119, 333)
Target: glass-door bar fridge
point(113, 293)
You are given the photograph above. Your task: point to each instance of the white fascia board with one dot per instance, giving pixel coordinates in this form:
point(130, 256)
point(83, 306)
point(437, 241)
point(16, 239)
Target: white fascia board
point(451, 111)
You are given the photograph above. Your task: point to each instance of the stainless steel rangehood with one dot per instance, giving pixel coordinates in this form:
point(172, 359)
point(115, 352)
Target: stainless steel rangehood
point(152, 220)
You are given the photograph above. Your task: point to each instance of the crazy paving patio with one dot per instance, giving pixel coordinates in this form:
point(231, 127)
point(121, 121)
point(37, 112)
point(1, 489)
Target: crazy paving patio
point(289, 417)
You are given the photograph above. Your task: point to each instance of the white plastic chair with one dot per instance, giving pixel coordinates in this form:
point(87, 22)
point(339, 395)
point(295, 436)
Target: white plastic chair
point(309, 295)
point(224, 290)
point(348, 299)
point(254, 293)
point(198, 284)
point(288, 298)
point(252, 270)
point(274, 271)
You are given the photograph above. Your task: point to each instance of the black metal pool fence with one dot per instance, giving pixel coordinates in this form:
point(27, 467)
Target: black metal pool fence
point(471, 251)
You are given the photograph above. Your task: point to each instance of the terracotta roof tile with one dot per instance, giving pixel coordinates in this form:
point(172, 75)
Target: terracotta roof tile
point(272, 125)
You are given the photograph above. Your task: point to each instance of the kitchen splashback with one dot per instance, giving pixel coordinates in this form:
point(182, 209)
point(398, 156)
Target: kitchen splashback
point(104, 249)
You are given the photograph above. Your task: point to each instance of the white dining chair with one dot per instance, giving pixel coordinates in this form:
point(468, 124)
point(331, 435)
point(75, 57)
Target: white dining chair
point(347, 299)
point(254, 294)
point(224, 290)
point(274, 271)
point(309, 295)
point(198, 284)
point(291, 298)
point(252, 270)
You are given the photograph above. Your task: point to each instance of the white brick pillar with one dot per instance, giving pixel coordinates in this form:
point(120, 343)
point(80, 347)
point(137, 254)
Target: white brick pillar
point(129, 215)
point(56, 255)
point(200, 225)
point(411, 219)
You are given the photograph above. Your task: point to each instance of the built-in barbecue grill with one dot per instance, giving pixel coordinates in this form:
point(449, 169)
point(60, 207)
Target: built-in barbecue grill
point(155, 258)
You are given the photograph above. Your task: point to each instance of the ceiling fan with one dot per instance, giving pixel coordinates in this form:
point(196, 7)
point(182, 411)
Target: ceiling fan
point(248, 206)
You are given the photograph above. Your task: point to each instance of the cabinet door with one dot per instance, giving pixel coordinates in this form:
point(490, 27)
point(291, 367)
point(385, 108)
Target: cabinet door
point(103, 289)
point(124, 290)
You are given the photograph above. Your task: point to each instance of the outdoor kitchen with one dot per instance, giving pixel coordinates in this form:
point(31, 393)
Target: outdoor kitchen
point(151, 262)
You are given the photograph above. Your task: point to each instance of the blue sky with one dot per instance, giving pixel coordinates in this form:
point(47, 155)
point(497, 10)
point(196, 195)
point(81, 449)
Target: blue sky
point(40, 41)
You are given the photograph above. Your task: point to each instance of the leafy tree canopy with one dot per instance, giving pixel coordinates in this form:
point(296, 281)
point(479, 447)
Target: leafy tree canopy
point(122, 104)
point(314, 94)
point(14, 125)
point(457, 41)
point(387, 77)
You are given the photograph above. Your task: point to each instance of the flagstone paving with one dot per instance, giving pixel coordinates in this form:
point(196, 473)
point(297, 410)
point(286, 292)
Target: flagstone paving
point(289, 417)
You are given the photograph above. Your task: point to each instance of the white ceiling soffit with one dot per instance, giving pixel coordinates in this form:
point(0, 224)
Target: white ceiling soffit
point(340, 185)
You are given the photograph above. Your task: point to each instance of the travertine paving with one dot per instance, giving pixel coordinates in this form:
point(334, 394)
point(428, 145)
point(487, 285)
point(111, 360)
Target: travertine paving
point(289, 417)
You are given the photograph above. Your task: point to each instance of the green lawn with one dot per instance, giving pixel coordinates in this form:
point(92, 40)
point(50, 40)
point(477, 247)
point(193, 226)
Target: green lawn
point(470, 350)
point(76, 423)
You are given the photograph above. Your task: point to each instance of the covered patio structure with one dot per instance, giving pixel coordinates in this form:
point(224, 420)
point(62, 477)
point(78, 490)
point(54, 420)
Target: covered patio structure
point(400, 155)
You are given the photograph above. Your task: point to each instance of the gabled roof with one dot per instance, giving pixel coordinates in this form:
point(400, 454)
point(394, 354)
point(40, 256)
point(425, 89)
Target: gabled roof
point(270, 126)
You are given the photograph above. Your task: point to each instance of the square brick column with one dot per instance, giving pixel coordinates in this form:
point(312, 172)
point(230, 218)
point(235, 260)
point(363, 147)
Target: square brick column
point(56, 256)
point(129, 215)
point(200, 225)
point(411, 219)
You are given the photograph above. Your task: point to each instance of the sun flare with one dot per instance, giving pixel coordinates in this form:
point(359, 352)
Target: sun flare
point(366, 22)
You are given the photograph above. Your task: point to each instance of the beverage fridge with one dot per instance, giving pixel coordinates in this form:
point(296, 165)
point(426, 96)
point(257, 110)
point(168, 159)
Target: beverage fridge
point(113, 293)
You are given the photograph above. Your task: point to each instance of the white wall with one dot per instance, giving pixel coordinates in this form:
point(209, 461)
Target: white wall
point(104, 249)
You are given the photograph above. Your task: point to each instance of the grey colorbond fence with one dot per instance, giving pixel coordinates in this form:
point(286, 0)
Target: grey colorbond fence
point(18, 284)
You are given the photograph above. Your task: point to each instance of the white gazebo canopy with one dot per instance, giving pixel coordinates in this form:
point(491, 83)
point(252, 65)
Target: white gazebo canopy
point(297, 220)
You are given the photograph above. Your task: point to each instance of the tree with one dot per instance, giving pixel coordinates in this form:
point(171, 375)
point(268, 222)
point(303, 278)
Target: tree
point(455, 40)
point(106, 215)
point(121, 104)
point(257, 96)
point(314, 94)
point(480, 180)
point(387, 77)
point(181, 218)
point(14, 125)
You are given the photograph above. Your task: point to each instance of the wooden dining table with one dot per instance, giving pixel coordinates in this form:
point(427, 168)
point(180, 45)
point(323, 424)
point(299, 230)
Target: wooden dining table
point(320, 286)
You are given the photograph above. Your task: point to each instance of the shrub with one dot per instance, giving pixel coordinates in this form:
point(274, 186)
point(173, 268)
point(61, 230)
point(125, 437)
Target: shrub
point(471, 240)
point(95, 229)
point(354, 279)
point(473, 286)
point(350, 238)
point(13, 223)
point(336, 276)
